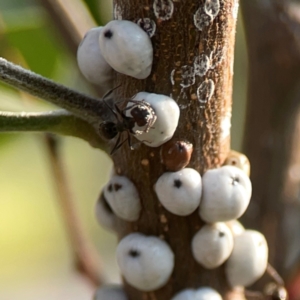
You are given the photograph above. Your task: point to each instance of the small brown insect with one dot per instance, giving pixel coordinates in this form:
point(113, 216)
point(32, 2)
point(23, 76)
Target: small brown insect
point(175, 155)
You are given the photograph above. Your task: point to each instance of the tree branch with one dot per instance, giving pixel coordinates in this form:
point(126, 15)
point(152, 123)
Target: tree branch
point(59, 122)
point(204, 122)
point(85, 107)
point(86, 258)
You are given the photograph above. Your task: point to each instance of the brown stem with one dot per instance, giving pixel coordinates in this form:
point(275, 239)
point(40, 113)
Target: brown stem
point(85, 256)
point(177, 42)
point(273, 32)
point(71, 19)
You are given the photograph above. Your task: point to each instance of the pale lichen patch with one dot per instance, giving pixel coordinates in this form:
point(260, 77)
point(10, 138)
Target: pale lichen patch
point(206, 13)
point(163, 9)
point(201, 19)
point(205, 92)
point(187, 76)
point(212, 7)
point(148, 26)
point(202, 64)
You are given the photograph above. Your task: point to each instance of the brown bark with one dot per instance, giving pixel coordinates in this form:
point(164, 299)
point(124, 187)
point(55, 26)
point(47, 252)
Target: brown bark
point(176, 44)
point(271, 139)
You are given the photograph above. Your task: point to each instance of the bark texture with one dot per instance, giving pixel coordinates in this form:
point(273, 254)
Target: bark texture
point(204, 122)
point(272, 126)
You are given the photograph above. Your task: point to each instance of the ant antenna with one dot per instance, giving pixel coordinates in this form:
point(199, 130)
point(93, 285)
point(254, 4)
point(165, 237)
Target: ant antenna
point(110, 91)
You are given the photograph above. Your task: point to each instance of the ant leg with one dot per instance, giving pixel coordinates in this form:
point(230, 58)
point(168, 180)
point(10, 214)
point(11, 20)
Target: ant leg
point(129, 107)
point(143, 141)
point(136, 103)
point(143, 102)
point(118, 144)
point(110, 91)
point(118, 110)
point(111, 109)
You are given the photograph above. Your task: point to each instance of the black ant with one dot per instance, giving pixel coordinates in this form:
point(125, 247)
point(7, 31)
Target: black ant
point(141, 115)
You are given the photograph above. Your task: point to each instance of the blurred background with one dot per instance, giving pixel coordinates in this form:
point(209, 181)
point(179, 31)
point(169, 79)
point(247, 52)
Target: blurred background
point(35, 257)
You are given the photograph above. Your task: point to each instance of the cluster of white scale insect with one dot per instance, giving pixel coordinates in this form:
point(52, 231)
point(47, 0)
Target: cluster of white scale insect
point(221, 196)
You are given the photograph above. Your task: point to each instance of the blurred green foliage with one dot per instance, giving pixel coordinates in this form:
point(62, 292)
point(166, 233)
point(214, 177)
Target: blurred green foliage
point(33, 245)
point(34, 249)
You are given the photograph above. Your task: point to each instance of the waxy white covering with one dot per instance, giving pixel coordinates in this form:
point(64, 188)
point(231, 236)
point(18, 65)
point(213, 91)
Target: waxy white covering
point(91, 62)
point(248, 260)
point(204, 293)
point(122, 196)
point(104, 214)
point(226, 194)
point(146, 262)
point(236, 227)
point(127, 48)
point(179, 192)
point(212, 245)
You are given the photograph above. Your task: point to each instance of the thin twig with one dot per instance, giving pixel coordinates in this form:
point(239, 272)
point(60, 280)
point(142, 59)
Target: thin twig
point(85, 255)
point(71, 18)
point(88, 108)
point(275, 275)
point(58, 122)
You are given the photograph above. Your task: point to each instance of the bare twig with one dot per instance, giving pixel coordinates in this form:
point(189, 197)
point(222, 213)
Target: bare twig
point(71, 18)
point(274, 274)
point(86, 258)
point(59, 122)
point(88, 108)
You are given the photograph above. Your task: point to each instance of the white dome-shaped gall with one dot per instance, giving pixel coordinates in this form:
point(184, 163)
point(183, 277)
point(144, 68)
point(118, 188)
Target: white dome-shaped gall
point(104, 213)
point(127, 48)
point(91, 62)
point(248, 260)
point(179, 192)
point(204, 293)
point(123, 198)
point(235, 227)
point(146, 262)
point(167, 115)
point(212, 245)
point(226, 194)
